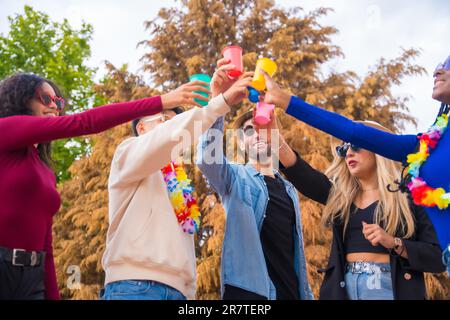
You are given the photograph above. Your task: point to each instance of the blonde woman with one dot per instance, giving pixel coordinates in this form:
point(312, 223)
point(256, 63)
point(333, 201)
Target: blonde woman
point(424, 156)
point(382, 243)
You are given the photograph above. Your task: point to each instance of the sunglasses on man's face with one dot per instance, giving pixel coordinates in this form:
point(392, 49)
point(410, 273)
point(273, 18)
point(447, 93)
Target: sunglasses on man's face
point(46, 99)
point(249, 130)
point(161, 118)
point(443, 66)
point(342, 149)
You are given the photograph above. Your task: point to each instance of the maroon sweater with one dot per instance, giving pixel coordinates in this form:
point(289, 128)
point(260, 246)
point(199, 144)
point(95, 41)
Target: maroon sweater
point(28, 195)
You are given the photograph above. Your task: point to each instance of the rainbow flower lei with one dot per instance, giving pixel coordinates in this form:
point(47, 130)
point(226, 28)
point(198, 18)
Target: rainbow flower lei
point(180, 193)
point(422, 193)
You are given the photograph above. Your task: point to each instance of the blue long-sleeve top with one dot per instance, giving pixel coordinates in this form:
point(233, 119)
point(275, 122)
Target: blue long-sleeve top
point(434, 171)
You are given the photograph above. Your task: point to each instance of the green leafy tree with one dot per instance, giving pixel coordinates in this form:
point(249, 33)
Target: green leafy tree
point(57, 52)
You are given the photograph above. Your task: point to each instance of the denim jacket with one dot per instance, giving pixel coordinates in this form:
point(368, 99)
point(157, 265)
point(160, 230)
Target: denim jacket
point(245, 197)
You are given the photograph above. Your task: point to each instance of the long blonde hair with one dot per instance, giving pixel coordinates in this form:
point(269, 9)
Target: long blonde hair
point(393, 211)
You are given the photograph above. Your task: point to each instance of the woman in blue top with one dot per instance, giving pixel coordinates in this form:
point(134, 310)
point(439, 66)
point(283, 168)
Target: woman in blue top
point(433, 171)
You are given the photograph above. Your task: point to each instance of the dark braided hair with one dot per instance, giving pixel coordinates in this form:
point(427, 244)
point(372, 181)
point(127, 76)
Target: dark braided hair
point(16, 92)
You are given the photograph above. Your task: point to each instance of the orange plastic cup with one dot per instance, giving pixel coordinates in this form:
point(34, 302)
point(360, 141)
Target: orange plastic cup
point(269, 66)
point(234, 54)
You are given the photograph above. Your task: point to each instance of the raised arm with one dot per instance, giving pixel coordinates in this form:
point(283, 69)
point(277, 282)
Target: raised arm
point(391, 146)
point(308, 181)
point(388, 145)
point(210, 158)
point(212, 162)
point(138, 157)
point(21, 131)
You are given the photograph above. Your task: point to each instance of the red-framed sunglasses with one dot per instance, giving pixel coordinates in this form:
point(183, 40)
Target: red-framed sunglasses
point(47, 99)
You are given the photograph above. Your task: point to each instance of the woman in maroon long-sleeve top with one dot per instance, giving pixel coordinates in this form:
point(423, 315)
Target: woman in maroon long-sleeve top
point(29, 121)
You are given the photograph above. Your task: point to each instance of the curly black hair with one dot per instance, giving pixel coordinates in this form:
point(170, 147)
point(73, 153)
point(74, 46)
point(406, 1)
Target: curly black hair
point(16, 92)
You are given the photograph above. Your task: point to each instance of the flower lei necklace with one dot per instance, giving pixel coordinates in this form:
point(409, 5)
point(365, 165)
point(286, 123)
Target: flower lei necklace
point(422, 193)
point(180, 194)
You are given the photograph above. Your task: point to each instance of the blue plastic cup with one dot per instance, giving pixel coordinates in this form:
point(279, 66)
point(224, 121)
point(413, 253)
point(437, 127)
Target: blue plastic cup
point(253, 95)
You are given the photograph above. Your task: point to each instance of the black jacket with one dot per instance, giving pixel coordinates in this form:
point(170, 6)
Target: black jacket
point(424, 253)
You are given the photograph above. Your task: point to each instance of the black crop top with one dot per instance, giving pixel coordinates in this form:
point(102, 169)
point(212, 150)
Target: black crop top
point(316, 186)
point(354, 240)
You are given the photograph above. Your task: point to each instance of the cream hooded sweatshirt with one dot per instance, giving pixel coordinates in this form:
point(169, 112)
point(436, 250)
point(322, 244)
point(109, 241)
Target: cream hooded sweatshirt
point(144, 240)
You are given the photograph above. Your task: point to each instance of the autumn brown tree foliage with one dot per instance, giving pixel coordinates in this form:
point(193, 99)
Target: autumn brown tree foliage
point(188, 39)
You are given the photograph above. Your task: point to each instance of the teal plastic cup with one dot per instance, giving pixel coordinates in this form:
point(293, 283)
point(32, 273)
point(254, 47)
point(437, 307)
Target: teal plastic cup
point(205, 78)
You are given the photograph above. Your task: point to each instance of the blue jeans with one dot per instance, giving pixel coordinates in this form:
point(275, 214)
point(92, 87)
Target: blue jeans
point(375, 285)
point(140, 290)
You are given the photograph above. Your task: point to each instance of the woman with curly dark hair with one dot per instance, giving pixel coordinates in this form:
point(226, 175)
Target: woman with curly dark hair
point(30, 108)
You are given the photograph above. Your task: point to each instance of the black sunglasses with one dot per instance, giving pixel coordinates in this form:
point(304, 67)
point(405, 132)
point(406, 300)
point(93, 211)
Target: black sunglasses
point(249, 130)
point(342, 149)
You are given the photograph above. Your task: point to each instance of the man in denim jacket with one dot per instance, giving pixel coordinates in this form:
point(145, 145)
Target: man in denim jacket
point(263, 254)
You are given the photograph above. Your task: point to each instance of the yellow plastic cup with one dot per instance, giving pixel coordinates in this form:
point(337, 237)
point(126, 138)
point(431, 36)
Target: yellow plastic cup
point(269, 66)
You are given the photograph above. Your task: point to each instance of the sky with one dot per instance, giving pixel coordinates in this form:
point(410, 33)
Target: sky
point(368, 30)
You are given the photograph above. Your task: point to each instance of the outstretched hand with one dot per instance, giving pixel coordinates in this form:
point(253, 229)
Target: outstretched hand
point(274, 94)
point(238, 90)
point(185, 95)
point(221, 81)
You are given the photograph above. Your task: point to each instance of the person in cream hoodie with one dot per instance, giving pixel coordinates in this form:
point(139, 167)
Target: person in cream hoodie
point(148, 255)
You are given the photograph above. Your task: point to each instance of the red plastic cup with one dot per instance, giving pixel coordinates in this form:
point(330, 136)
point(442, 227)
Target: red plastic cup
point(234, 54)
point(263, 112)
